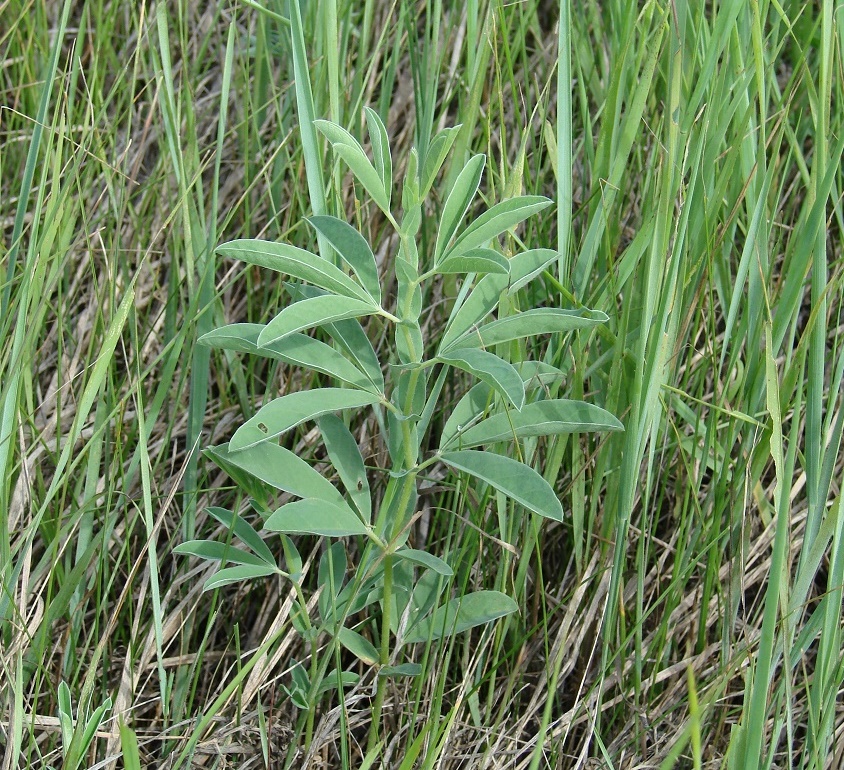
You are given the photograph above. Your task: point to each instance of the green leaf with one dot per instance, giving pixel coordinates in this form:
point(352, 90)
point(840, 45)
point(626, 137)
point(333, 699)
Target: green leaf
point(478, 400)
point(129, 747)
point(281, 469)
point(348, 148)
point(315, 517)
point(514, 479)
point(541, 418)
point(359, 646)
point(244, 531)
point(461, 614)
point(475, 261)
point(238, 574)
point(491, 369)
point(354, 249)
point(403, 669)
point(214, 551)
point(502, 216)
point(296, 349)
point(437, 151)
point(287, 412)
point(346, 458)
point(457, 203)
point(347, 679)
point(484, 298)
point(292, 558)
point(315, 311)
point(425, 559)
point(380, 150)
point(350, 336)
point(542, 320)
point(287, 259)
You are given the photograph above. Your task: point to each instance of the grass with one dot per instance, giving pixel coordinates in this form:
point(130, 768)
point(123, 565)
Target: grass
point(687, 613)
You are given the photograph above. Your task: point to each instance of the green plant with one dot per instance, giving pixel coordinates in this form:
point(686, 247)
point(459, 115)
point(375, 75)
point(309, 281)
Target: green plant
point(509, 402)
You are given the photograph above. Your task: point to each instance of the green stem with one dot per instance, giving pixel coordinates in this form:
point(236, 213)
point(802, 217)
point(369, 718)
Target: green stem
point(394, 527)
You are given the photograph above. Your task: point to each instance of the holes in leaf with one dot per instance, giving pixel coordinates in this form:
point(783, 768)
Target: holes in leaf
point(263, 428)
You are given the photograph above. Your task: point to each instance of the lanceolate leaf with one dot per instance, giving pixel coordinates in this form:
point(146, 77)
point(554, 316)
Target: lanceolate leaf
point(316, 311)
point(502, 216)
point(346, 458)
point(296, 349)
point(354, 249)
point(543, 320)
point(475, 261)
point(358, 645)
point(465, 187)
point(474, 405)
point(350, 336)
point(484, 298)
point(243, 531)
point(490, 369)
point(541, 418)
point(287, 412)
point(380, 150)
point(361, 167)
point(238, 574)
point(298, 263)
point(216, 551)
point(425, 559)
point(514, 479)
point(461, 614)
point(316, 517)
point(281, 469)
point(433, 161)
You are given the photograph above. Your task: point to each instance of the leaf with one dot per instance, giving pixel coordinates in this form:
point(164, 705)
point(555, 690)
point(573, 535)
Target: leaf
point(359, 646)
point(349, 149)
point(475, 261)
point(281, 469)
point(362, 168)
point(346, 458)
point(514, 479)
point(543, 320)
point(491, 369)
point(380, 150)
point(301, 264)
point(296, 349)
point(244, 531)
point(287, 412)
point(354, 249)
point(292, 558)
point(484, 298)
point(461, 614)
point(403, 669)
point(541, 418)
point(315, 517)
point(316, 311)
point(502, 216)
point(238, 574)
point(215, 551)
point(350, 336)
point(437, 152)
point(347, 679)
point(457, 203)
point(129, 747)
point(425, 559)
point(474, 405)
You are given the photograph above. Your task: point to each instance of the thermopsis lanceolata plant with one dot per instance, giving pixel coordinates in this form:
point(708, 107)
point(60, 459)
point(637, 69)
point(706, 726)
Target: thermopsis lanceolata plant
point(509, 402)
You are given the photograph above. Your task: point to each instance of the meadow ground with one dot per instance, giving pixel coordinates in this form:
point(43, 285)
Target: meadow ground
point(687, 610)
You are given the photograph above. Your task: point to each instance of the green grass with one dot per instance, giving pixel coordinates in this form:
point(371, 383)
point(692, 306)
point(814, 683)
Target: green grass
point(687, 612)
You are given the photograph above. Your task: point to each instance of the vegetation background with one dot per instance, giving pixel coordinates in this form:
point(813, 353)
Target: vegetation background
point(693, 150)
